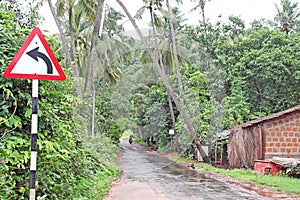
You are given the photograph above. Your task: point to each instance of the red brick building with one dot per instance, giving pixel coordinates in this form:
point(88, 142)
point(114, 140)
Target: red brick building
point(274, 135)
point(282, 134)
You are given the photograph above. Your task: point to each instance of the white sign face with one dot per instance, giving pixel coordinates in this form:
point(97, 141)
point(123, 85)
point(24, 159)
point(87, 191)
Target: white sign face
point(34, 65)
point(35, 60)
point(171, 132)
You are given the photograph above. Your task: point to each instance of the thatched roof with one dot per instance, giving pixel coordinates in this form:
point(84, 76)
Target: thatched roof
point(270, 117)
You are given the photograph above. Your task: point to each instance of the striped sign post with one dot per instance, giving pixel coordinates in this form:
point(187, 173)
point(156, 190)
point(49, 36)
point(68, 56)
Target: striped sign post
point(34, 130)
point(36, 61)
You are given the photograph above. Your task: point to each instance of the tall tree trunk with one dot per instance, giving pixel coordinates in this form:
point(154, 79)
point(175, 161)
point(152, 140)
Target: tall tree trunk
point(202, 5)
point(88, 87)
point(72, 44)
point(167, 85)
point(75, 68)
point(62, 36)
point(152, 19)
point(180, 84)
point(179, 77)
point(163, 71)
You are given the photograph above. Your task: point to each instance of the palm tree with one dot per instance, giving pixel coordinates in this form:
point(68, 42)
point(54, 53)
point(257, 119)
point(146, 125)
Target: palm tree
point(170, 15)
point(64, 6)
point(201, 5)
point(287, 18)
point(89, 86)
point(62, 35)
point(170, 57)
point(167, 84)
point(157, 25)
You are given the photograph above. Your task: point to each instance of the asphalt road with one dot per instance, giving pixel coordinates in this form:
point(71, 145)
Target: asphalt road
point(149, 176)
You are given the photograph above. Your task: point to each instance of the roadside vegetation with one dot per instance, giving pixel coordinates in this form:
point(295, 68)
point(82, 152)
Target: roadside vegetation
point(140, 141)
point(71, 164)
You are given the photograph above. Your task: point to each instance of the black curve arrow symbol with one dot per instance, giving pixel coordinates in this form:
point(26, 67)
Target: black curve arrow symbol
point(34, 53)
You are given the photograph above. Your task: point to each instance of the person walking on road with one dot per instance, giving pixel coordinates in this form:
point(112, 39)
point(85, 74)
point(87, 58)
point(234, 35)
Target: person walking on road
point(130, 139)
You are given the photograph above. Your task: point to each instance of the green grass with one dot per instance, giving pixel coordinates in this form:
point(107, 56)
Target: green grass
point(140, 141)
point(178, 158)
point(127, 133)
point(276, 183)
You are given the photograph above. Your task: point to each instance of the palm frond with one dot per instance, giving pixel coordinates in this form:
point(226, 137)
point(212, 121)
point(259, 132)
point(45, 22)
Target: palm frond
point(139, 13)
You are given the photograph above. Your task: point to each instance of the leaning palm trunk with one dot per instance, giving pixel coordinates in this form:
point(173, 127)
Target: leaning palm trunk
point(65, 46)
point(167, 85)
point(62, 35)
point(72, 44)
point(179, 77)
point(163, 71)
point(180, 84)
point(88, 87)
point(89, 80)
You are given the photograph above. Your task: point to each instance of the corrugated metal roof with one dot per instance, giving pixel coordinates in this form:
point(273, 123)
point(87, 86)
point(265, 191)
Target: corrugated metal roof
point(224, 135)
point(269, 117)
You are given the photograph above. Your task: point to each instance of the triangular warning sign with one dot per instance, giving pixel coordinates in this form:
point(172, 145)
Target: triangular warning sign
point(35, 60)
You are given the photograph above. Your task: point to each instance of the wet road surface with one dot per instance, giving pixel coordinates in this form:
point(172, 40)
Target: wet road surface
point(148, 176)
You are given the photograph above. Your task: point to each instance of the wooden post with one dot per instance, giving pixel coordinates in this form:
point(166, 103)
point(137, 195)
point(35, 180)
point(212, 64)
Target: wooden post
point(221, 159)
point(216, 153)
point(34, 129)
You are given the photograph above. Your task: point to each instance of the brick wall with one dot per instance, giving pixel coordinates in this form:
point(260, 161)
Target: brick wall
point(282, 136)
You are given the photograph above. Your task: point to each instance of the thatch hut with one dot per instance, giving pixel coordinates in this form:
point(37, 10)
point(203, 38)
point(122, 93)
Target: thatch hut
point(242, 144)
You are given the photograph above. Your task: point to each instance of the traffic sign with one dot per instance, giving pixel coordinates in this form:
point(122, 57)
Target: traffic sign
point(35, 60)
point(171, 132)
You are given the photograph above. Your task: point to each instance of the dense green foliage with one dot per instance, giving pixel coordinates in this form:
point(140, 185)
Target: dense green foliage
point(67, 168)
point(107, 122)
point(260, 65)
point(26, 13)
point(232, 74)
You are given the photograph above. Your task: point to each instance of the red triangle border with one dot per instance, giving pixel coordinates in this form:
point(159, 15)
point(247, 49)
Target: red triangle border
point(35, 31)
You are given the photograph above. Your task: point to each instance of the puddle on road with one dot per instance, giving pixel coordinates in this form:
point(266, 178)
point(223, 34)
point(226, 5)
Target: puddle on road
point(178, 182)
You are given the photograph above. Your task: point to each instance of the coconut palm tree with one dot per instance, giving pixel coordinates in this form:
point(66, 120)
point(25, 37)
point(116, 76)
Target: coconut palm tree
point(63, 7)
point(166, 83)
point(174, 48)
point(161, 23)
point(66, 8)
point(287, 18)
point(62, 35)
point(89, 86)
point(172, 17)
point(201, 5)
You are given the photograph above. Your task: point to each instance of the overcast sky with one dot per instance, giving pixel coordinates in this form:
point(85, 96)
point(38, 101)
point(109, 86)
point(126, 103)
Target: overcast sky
point(247, 10)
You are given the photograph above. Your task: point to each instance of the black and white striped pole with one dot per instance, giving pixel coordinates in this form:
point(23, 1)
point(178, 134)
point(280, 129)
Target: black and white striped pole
point(34, 130)
point(26, 65)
